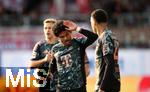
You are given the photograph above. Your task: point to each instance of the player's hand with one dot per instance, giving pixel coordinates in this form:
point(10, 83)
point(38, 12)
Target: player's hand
point(49, 57)
point(71, 25)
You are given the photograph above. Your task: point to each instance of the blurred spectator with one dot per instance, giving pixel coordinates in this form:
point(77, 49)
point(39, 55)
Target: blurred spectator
point(124, 14)
point(8, 16)
point(83, 6)
point(121, 12)
point(31, 5)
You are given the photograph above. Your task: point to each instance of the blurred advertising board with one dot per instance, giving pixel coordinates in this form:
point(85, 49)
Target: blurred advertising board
point(134, 67)
point(131, 61)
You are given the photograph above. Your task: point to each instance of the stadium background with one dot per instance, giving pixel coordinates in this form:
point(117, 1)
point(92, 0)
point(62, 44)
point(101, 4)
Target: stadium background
point(21, 28)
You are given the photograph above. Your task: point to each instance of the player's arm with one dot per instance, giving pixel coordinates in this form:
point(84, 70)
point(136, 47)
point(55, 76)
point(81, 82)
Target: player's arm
point(108, 71)
point(109, 60)
point(90, 36)
point(36, 60)
point(36, 63)
point(52, 65)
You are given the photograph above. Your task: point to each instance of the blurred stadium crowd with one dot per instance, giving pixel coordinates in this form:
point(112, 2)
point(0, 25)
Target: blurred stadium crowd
point(130, 19)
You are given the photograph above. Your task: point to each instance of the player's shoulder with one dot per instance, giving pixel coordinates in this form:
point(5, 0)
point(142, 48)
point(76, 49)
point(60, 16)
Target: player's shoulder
point(106, 36)
point(41, 42)
point(110, 37)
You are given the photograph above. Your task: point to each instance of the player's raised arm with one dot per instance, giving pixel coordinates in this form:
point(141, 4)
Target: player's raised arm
point(90, 36)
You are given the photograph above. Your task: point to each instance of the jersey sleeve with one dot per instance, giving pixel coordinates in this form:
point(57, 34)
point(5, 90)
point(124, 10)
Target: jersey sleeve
point(36, 52)
point(108, 73)
point(90, 37)
point(107, 47)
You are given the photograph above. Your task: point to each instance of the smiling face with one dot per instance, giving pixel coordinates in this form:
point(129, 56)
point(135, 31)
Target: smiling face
point(65, 37)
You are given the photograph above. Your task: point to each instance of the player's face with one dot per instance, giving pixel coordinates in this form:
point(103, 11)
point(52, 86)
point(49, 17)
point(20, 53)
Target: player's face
point(65, 37)
point(48, 30)
point(93, 24)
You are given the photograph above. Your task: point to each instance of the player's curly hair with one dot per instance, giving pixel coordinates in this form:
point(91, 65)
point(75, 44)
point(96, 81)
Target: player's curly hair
point(59, 27)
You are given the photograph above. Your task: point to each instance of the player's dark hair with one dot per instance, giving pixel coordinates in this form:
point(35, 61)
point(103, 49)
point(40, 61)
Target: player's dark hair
point(59, 27)
point(100, 15)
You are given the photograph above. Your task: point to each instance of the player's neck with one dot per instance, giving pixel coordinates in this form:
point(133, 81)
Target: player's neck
point(51, 40)
point(101, 30)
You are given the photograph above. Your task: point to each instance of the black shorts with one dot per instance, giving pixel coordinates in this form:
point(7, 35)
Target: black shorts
point(82, 89)
point(107, 91)
point(42, 89)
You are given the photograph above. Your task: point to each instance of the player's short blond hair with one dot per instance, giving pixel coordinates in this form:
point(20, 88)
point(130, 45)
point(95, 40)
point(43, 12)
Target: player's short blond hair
point(49, 20)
